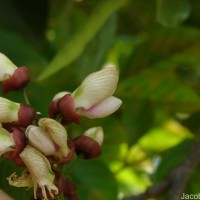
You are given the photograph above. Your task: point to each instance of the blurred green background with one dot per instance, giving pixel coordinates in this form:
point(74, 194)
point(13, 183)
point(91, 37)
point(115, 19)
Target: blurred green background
point(156, 46)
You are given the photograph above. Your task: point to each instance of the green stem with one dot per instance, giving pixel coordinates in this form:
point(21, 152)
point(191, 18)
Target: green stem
point(26, 97)
point(73, 165)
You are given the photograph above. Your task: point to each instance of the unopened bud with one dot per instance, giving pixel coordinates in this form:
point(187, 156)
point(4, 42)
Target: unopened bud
point(19, 114)
point(40, 139)
point(95, 133)
point(87, 147)
point(19, 79)
point(7, 142)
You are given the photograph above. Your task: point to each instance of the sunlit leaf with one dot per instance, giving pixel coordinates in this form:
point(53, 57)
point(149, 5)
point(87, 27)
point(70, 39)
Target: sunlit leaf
point(76, 45)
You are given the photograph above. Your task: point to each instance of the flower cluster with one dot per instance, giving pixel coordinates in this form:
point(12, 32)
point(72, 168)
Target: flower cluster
point(41, 145)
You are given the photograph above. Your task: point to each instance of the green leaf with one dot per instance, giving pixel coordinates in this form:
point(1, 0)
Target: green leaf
point(161, 86)
point(94, 181)
point(137, 120)
point(171, 13)
point(6, 169)
point(21, 52)
point(76, 45)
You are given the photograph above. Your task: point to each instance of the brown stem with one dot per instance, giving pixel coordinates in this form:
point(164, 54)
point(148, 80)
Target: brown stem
point(181, 174)
point(177, 180)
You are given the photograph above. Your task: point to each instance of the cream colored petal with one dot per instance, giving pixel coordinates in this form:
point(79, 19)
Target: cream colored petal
point(57, 133)
point(102, 109)
point(5, 196)
point(40, 170)
point(96, 87)
point(25, 180)
point(95, 133)
point(7, 68)
point(8, 110)
point(60, 95)
point(6, 141)
point(40, 139)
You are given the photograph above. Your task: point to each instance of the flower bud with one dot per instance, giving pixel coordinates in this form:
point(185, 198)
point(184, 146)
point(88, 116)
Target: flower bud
point(50, 137)
point(40, 139)
point(58, 134)
point(13, 78)
point(26, 115)
point(40, 173)
point(67, 110)
point(87, 147)
point(17, 81)
point(96, 133)
point(20, 143)
point(19, 139)
point(53, 106)
point(89, 144)
point(7, 142)
point(92, 99)
point(19, 114)
point(96, 87)
point(7, 68)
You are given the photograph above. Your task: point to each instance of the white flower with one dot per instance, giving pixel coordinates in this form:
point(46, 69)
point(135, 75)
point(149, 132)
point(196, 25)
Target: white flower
point(20, 114)
point(50, 137)
point(40, 139)
point(38, 173)
point(93, 98)
point(7, 142)
point(7, 68)
point(8, 110)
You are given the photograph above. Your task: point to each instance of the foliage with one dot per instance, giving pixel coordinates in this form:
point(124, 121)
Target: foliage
point(156, 46)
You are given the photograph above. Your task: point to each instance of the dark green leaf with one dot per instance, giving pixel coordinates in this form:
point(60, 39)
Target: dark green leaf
point(77, 44)
point(137, 120)
point(94, 181)
point(171, 159)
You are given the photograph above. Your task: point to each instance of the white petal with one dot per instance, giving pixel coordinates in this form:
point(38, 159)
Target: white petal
point(60, 95)
point(96, 87)
point(7, 141)
point(8, 110)
point(40, 170)
point(39, 139)
point(57, 132)
point(7, 68)
point(102, 109)
point(95, 133)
